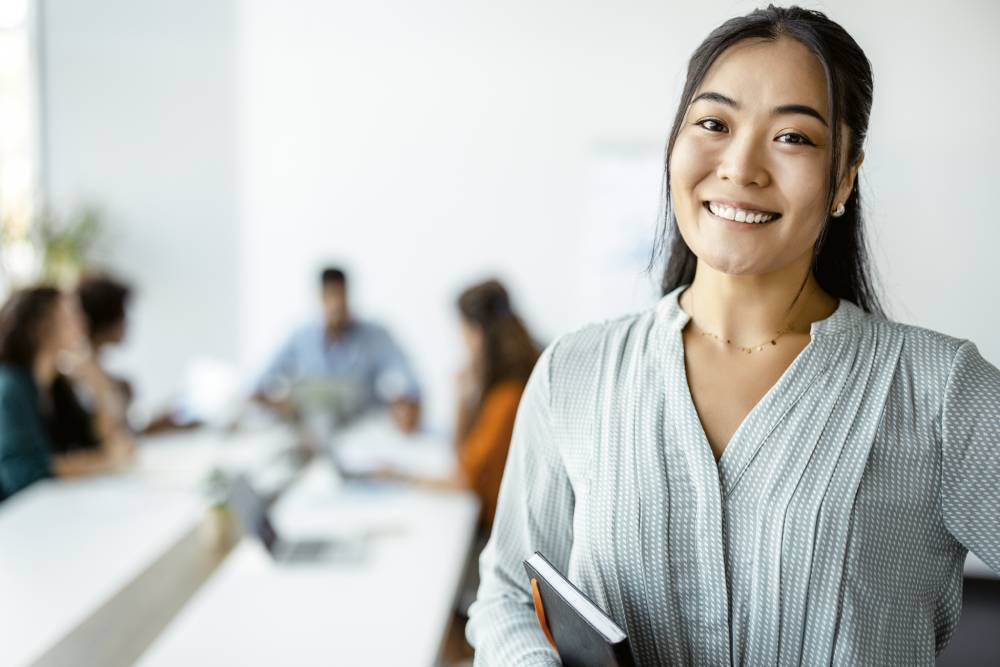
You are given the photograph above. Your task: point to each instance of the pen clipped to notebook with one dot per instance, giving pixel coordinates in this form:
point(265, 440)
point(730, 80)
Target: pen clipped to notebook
point(580, 631)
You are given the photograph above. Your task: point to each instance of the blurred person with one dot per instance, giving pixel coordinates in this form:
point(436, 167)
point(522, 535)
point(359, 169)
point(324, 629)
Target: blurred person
point(500, 354)
point(89, 406)
point(39, 327)
point(500, 357)
point(341, 348)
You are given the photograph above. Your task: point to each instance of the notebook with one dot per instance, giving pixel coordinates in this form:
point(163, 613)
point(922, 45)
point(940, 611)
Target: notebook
point(579, 630)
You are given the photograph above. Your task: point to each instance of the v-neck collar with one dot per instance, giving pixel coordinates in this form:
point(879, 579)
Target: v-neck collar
point(846, 316)
point(768, 412)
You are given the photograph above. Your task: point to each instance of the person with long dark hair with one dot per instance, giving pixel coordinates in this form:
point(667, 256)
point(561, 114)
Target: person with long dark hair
point(89, 408)
point(500, 357)
point(38, 327)
point(762, 468)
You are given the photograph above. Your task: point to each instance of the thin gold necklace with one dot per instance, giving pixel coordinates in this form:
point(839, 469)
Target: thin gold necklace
point(752, 348)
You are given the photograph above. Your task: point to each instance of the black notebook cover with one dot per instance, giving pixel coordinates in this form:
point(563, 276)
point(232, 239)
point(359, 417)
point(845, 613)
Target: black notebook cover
point(579, 642)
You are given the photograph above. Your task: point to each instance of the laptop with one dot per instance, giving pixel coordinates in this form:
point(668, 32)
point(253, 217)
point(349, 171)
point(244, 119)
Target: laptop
point(338, 400)
point(251, 512)
point(324, 406)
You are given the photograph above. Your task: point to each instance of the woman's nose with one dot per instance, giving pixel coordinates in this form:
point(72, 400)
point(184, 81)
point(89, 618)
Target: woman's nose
point(743, 164)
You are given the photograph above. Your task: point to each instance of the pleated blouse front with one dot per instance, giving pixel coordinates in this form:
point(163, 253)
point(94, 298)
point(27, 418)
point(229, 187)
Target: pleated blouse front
point(833, 529)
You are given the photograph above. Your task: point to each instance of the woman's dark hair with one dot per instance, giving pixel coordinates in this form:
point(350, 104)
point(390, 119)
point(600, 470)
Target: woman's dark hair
point(103, 301)
point(21, 321)
point(840, 256)
point(509, 353)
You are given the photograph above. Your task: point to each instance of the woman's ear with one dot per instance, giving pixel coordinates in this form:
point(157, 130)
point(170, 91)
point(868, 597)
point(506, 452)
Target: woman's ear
point(847, 182)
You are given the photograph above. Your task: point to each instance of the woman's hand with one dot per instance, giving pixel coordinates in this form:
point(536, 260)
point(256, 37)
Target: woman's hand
point(387, 473)
point(406, 414)
point(119, 451)
point(92, 462)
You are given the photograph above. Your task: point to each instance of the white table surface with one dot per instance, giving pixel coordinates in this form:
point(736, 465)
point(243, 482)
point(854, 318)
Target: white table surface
point(68, 546)
point(391, 609)
point(185, 459)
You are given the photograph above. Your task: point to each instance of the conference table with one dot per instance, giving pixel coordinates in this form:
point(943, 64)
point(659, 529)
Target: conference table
point(115, 570)
point(83, 561)
point(68, 548)
point(92, 570)
point(390, 607)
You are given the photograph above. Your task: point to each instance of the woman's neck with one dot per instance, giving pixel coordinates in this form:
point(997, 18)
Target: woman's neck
point(751, 308)
point(45, 369)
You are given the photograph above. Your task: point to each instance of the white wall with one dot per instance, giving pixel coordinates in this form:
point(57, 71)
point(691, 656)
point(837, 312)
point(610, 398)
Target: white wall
point(428, 144)
point(139, 117)
point(431, 143)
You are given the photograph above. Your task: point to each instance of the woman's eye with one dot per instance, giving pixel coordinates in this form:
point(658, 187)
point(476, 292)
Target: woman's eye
point(794, 138)
point(711, 125)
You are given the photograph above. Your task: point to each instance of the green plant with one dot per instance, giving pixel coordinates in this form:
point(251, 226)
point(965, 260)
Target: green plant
point(66, 244)
point(215, 487)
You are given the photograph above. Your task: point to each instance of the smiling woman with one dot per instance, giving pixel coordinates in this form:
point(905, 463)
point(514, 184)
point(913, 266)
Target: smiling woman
point(746, 155)
point(782, 110)
point(762, 469)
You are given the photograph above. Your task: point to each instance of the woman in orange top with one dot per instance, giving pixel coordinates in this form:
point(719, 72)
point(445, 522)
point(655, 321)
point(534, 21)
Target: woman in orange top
point(501, 355)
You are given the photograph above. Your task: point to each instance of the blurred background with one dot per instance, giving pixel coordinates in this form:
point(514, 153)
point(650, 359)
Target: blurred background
point(217, 155)
point(234, 148)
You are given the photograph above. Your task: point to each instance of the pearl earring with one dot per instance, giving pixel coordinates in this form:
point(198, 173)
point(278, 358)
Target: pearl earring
point(839, 211)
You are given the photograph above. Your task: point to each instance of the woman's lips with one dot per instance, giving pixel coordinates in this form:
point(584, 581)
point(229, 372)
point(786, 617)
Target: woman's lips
point(740, 216)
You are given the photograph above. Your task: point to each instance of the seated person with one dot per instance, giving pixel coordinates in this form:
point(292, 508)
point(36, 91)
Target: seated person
point(38, 326)
point(89, 406)
point(357, 361)
point(500, 357)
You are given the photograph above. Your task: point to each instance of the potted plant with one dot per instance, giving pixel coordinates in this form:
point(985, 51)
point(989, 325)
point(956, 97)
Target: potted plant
point(218, 529)
point(66, 244)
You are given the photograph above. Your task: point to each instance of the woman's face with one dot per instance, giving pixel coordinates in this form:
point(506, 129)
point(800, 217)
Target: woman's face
point(472, 336)
point(63, 332)
point(755, 144)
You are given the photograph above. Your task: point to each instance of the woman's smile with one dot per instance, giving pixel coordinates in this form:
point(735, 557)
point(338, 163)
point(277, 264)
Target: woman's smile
point(740, 214)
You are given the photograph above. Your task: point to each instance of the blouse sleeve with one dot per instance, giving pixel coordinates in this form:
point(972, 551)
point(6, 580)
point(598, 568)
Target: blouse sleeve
point(535, 512)
point(24, 448)
point(483, 452)
point(970, 476)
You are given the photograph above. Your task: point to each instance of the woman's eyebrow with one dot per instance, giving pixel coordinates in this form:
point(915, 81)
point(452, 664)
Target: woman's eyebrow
point(803, 109)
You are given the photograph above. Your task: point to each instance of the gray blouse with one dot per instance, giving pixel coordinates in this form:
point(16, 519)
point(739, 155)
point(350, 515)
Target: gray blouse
point(833, 529)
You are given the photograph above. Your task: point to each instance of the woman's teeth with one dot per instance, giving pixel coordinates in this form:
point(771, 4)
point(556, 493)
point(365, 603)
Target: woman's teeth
point(739, 214)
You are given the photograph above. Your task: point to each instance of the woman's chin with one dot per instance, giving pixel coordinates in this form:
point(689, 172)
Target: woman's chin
point(735, 261)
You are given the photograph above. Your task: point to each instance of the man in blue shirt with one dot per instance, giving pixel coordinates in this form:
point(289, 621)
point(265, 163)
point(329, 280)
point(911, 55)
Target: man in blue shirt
point(353, 364)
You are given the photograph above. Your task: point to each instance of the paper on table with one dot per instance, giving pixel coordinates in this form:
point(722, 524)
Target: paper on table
point(375, 443)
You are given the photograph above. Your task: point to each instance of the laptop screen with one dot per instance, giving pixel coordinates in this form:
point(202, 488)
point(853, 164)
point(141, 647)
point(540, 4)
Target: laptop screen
point(251, 512)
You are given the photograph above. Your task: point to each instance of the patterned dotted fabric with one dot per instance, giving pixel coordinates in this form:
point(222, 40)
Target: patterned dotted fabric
point(833, 530)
